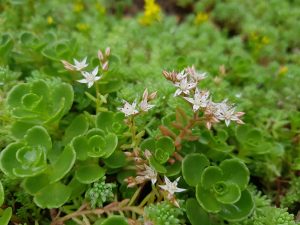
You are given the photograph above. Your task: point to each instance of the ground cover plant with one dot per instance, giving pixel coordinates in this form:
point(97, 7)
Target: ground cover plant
point(149, 112)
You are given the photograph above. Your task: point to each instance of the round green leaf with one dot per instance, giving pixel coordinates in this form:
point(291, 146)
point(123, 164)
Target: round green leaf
point(111, 143)
point(19, 129)
point(166, 144)
point(33, 184)
point(80, 145)
point(158, 167)
point(63, 164)
point(192, 168)
point(1, 194)
point(148, 144)
point(161, 155)
point(4, 219)
point(78, 126)
point(210, 176)
point(8, 161)
point(195, 214)
point(236, 172)
point(38, 136)
point(116, 160)
point(207, 199)
point(96, 146)
point(104, 120)
point(52, 196)
point(14, 98)
point(115, 220)
point(89, 173)
point(239, 210)
point(173, 169)
point(231, 195)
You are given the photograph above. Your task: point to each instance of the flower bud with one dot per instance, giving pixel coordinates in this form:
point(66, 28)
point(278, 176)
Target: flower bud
point(105, 66)
point(107, 51)
point(100, 55)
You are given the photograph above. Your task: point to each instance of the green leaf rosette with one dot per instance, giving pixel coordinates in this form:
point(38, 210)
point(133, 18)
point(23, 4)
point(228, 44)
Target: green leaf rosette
point(222, 189)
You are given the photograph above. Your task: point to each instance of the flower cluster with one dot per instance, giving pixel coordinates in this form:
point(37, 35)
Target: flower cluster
point(134, 108)
point(89, 78)
point(187, 82)
point(144, 172)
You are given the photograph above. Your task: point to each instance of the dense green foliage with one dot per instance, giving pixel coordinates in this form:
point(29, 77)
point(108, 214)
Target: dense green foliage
point(78, 153)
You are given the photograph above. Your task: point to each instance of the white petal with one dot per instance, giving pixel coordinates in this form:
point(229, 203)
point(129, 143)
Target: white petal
point(179, 190)
point(84, 73)
point(227, 122)
point(84, 81)
point(177, 92)
point(191, 100)
point(90, 84)
point(97, 78)
point(95, 71)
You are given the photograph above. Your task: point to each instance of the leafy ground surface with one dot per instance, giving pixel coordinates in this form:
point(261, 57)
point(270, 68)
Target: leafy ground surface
point(250, 51)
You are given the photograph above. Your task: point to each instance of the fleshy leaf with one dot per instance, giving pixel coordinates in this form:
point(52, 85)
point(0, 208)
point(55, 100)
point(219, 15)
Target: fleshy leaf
point(116, 160)
point(33, 184)
point(52, 196)
point(166, 144)
point(231, 195)
point(104, 121)
point(1, 194)
point(89, 173)
point(8, 161)
point(239, 210)
point(207, 200)
point(63, 164)
point(78, 126)
point(210, 176)
point(192, 168)
point(195, 214)
point(158, 167)
point(4, 219)
point(236, 172)
point(115, 220)
point(81, 147)
point(38, 136)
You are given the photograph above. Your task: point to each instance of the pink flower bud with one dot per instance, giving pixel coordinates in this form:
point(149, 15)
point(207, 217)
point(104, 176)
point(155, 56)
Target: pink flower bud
point(100, 55)
point(107, 51)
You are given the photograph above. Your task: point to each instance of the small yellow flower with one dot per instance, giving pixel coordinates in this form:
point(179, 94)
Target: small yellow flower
point(78, 7)
point(201, 18)
point(152, 13)
point(100, 8)
point(283, 70)
point(265, 40)
point(50, 20)
point(82, 27)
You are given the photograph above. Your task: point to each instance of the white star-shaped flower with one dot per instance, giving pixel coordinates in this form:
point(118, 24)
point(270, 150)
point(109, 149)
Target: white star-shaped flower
point(184, 87)
point(195, 75)
point(148, 174)
point(90, 77)
point(171, 187)
point(200, 99)
point(129, 109)
point(78, 65)
point(181, 75)
point(227, 113)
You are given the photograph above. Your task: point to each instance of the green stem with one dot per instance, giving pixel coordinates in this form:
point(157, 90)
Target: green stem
point(135, 195)
point(97, 97)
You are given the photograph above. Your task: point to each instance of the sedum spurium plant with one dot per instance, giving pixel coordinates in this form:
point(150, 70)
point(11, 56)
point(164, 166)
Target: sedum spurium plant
point(58, 169)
